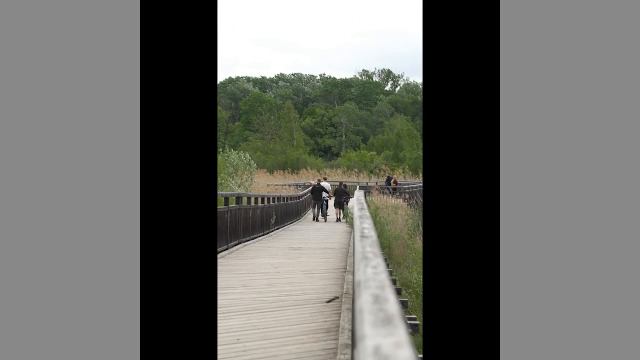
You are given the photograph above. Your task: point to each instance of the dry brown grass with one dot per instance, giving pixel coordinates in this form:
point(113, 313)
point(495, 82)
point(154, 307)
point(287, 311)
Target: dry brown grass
point(262, 178)
point(396, 212)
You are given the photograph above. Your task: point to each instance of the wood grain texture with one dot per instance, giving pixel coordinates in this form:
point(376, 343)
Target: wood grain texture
point(272, 293)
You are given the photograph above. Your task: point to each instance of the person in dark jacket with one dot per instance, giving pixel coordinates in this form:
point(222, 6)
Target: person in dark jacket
point(338, 203)
point(316, 200)
point(387, 183)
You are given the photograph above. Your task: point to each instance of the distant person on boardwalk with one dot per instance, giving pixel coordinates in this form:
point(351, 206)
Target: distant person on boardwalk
point(387, 183)
point(317, 191)
point(325, 198)
point(338, 202)
point(395, 184)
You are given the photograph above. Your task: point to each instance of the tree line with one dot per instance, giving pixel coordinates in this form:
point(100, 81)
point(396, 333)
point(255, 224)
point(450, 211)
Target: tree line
point(371, 122)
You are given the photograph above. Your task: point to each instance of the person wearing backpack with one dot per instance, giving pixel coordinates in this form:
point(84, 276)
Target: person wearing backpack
point(338, 203)
point(325, 198)
point(387, 183)
point(317, 191)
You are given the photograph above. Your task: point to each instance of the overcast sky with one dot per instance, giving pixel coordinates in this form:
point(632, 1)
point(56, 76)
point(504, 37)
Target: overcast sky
point(338, 38)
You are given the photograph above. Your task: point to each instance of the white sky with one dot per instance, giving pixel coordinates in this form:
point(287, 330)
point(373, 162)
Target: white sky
point(338, 38)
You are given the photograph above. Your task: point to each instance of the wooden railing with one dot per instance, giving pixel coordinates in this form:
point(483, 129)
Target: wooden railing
point(409, 191)
point(254, 215)
point(379, 326)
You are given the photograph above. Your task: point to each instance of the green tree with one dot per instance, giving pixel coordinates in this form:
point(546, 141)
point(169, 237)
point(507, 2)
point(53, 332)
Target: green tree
point(390, 80)
point(410, 106)
point(222, 126)
point(231, 92)
point(303, 88)
point(296, 120)
point(362, 161)
point(263, 83)
point(411, 88)
point(320, 128)
point(292, 135)
point(282, 93)
point(334, 92)
point(366, 75)
point(286, 146)
point(380, 115)
point(400, 145)
point(351, 124)
point(258, 115)
point(366, 93)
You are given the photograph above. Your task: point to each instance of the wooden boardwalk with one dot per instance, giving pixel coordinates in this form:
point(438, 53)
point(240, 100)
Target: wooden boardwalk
point(273, 292)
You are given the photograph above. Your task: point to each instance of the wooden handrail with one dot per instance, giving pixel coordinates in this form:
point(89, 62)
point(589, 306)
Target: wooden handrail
point(379, 326)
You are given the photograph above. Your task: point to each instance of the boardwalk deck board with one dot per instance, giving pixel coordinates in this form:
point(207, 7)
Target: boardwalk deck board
point(272, 305)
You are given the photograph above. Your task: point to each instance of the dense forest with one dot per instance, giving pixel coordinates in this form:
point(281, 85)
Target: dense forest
point(371, 122)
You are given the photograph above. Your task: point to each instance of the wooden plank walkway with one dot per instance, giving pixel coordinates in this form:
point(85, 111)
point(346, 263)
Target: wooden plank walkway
point(273, 292)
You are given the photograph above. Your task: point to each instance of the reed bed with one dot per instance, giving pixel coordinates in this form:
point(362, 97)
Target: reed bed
point(262, 178)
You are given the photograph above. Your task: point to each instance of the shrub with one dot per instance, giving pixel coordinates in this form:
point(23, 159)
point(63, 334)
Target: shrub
point(235, 171)
point(361, 161)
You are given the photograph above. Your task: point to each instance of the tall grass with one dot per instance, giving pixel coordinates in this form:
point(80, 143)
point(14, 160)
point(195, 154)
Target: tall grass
point(399, 230)
point(263, 177)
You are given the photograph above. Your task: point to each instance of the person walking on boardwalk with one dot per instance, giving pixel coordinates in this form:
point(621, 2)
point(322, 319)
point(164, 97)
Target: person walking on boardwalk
point(317, 191)
point(338, 200)
point(325, 198)
point(387, 183)
point(395, 184)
